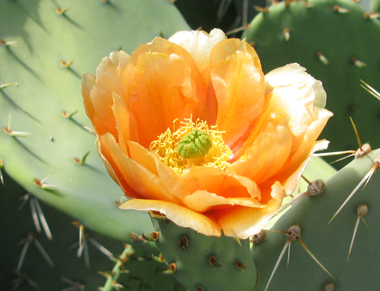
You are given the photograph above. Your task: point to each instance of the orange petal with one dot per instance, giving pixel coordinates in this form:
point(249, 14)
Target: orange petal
point(238, 82)
point(113, 61)
point(267, 155)
point(243, 222)
point(166, 87)
point(180, 215)
point(101, 100)
point(213, 180)
point(292, 93)
point(199, 44)
point(290, 174)
point(307, 141)
point(142, 156)
point(104, 151)
point(125, 122)
point(291, 177)
point(172, 182)
point(297, 101)
point(135, 176)
point(203, 201)
point(88, 81)
point(297, 161)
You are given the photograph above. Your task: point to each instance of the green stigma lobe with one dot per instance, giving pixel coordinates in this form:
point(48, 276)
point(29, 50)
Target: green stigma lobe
point(194, 145)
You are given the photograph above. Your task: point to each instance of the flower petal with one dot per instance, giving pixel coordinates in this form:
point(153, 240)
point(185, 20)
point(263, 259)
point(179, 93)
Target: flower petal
point(238, 82)
point(170, 180)
point(266, 156)
point(142, 156)
point(166, 86)
point(203, 201)
point(292, 106)
point(292, 74)
point(292, 177)
point(113, 61)
point(104, 150)
point(198, 44)
point(88, 81)
point(135, 176)
point(297, 101)
point(125, 122)
point(243, 222)
point(290, 174)
point(294, 103)
point(100, 101)
point(180, 215)
point(213, 180)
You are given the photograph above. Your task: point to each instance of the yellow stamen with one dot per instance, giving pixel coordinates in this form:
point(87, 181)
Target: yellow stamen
point(166, 147)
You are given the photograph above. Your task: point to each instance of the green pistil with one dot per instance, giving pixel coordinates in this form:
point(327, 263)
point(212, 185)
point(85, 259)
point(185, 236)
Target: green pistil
point(194, 145)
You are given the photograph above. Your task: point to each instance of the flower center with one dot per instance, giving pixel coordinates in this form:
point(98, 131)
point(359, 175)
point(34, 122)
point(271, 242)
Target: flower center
point(193, 144)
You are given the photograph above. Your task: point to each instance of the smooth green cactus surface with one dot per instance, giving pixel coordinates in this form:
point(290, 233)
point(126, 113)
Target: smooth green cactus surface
point(45, 48)
point(375, 5)
point(337, 41)
point(328, 242)
point(205, 263)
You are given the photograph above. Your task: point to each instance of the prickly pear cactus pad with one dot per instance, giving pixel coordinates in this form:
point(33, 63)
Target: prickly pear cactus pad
point(202, 263)
point(26, 263)
point(45, 47)
point(338, 43)
point(345, 247)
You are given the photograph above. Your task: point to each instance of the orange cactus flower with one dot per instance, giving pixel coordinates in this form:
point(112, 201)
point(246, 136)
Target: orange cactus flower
point(191, 128)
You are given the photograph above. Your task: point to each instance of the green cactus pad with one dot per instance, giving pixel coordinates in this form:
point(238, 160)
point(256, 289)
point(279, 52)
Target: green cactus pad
point(203, 262)
point(338, 43)
point(329, 242)
point(43, 54)
point(17, 222)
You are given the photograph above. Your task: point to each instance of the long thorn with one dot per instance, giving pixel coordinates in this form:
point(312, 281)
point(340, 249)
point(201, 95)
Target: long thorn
point(80, 250)
point(353, 237)
point(287, 264)
point(334, 153)
point(365, 178)
point(341, 159)
point(305, 179)
point(44, 253)
point(370, 90)
point(3, 86)
point(364, 221)
point(86, 254)
point(34, 214)
point(25, 199)
point(293, 202)
point(278, 262)
point(43, 219)
point(371, 173)
point(22, 256)
point(101, 248)
point(314, 258)
point(356, 133)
